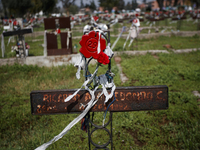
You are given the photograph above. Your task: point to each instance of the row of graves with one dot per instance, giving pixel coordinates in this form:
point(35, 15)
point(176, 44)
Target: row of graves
point(89, 98)
point(54, 27)
point(151, 18)
point(15, 29)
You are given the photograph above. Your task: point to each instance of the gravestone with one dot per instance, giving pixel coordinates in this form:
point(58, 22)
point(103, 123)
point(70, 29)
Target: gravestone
point(20, 39)
point(51, 37)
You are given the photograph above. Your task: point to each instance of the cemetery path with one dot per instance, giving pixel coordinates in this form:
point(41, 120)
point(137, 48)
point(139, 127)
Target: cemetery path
point(122, 75)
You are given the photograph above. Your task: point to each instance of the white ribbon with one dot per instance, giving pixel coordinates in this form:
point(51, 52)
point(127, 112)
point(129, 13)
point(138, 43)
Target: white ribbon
point(123, 29)
point(127, 39)
point(99, 44)
point(99, 49)
point(9, 40)
point(76, 120)
point(45, 43)
point(69, 126)
point(130, 42)
point(84, 84)
point(108, 51)
point(80, 65)
point(68, 36)
point(105, 84)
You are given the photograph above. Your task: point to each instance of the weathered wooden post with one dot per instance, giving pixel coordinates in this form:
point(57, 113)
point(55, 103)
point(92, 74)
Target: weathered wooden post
point(51, 44)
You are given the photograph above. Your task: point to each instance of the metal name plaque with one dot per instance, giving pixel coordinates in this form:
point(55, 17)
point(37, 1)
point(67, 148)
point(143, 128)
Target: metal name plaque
point(127, 99)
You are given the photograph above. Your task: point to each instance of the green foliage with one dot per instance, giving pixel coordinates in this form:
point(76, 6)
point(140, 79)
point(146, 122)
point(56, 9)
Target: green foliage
point(48, 5)
point(37, 5)
point(73, 9)
point(17, 7)
point(108, 4)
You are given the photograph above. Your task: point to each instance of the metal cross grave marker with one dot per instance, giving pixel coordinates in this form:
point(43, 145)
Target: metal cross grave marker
point(127, 99)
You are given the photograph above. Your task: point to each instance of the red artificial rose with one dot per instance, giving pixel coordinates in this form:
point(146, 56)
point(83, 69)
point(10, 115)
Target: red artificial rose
point(103, 58)
point(89, 43)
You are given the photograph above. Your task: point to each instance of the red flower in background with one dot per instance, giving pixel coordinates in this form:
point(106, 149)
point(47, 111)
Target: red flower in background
point(103, 58)
point(96, 18)
point(89, 43)
point(15, 23)
point(58, 31)
point(135, 20)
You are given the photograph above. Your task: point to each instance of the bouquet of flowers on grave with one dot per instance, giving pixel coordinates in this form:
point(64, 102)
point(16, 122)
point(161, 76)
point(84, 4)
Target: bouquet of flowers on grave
point(94, 45)
point(19, 46)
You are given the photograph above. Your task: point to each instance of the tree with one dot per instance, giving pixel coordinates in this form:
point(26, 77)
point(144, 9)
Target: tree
point(128, 6)
point(37, 6)
point(121, 4)
point(48, 6)
point(134, 4)
point(1, 7)
point(197, 2)
point(17, 7)
point(108, 4)
point(82, 4)
point(20, 7)
point(67, 4)
point(160, 4)
point(73, 9)
point(92, 5)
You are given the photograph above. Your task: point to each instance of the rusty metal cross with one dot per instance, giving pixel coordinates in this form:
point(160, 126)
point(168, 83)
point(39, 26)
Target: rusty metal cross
point(127, 99)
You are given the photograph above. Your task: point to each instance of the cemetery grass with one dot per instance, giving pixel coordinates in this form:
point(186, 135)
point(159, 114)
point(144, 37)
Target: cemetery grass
point(175, 128)
point(158, 43)
point(185, 25)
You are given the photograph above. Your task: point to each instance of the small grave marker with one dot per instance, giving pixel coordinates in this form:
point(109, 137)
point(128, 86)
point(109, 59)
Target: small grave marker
point(20, 39)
